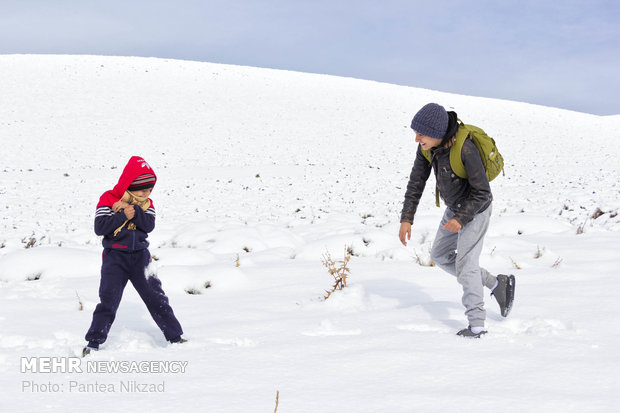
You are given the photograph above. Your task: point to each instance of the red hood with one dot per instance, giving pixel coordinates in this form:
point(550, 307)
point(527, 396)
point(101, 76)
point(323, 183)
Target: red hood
point(135, 167)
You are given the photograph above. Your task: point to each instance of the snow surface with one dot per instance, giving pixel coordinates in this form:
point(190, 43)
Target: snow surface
point(260, 173)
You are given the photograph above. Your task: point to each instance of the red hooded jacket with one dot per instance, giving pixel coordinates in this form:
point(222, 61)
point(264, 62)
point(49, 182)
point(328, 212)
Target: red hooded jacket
point(107, 221)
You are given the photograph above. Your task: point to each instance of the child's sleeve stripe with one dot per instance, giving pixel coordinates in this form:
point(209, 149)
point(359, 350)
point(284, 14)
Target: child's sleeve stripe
point(103, 211)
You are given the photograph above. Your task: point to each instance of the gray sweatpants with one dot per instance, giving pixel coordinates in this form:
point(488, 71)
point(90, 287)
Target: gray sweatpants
point(458, 254)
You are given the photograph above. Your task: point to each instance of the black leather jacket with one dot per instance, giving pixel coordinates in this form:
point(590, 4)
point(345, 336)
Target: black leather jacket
point(465, 197)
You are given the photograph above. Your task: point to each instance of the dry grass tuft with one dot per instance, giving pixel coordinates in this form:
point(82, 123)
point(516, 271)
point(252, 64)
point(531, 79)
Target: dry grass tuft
point(339, 270)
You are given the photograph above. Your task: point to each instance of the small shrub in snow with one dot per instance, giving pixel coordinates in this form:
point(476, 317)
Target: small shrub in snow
point(30, 242)
point(339, 270)
point(597, 213)
point(34, 277)
point(80, 304)
point(581, 228)
point(350, 251)
point(197, 291)
point(539, 252)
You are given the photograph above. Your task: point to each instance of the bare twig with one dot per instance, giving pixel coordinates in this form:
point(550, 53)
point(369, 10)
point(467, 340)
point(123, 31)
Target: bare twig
point(581, 228)
point(539, 252)
point(81, 307)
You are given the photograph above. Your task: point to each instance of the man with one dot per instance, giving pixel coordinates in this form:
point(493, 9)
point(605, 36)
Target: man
point(460, 236)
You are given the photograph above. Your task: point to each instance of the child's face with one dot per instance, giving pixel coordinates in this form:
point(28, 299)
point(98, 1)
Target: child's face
point(143, 193)
point(426, 142)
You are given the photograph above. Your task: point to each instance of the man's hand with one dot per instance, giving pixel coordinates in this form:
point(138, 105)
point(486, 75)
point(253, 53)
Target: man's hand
point(453, 225)
point(405, 232)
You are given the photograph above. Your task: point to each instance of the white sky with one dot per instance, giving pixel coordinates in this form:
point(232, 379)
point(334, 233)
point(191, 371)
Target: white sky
point(550, 52)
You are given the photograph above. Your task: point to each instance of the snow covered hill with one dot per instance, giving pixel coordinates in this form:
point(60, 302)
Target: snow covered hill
point(260, 173)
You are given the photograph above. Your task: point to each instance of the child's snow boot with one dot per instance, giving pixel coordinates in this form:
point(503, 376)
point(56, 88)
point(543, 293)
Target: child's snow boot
point(86, 350)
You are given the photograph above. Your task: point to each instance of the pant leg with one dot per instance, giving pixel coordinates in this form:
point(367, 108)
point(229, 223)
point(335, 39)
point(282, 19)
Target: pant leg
point(114, 276)
point(488, 279)
point(443, 252)
point(149, 288)
point(468, 271)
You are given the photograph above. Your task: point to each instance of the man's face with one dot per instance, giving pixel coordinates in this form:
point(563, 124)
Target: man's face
point(426, 142)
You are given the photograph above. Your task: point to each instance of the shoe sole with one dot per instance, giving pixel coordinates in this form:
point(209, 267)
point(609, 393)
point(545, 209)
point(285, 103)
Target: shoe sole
point(466, 333)
point(510, 295)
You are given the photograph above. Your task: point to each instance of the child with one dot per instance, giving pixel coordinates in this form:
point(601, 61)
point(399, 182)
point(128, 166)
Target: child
point(125, 215)
point(459, 239)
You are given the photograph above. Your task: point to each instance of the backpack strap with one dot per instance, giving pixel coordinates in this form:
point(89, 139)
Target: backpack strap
point(427, 154)
point(456, 163)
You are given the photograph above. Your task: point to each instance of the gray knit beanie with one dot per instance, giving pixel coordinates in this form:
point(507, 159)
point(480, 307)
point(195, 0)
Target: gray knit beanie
point(431, 121)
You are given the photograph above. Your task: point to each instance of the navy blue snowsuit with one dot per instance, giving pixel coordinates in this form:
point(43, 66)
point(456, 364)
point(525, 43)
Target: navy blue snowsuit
point(125, 258)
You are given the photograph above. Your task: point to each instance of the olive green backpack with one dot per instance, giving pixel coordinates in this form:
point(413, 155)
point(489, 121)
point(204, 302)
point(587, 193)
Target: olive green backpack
point(492, 160)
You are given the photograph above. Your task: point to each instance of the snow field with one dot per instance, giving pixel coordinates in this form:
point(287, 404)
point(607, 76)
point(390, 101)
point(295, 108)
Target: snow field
point(260, 173)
